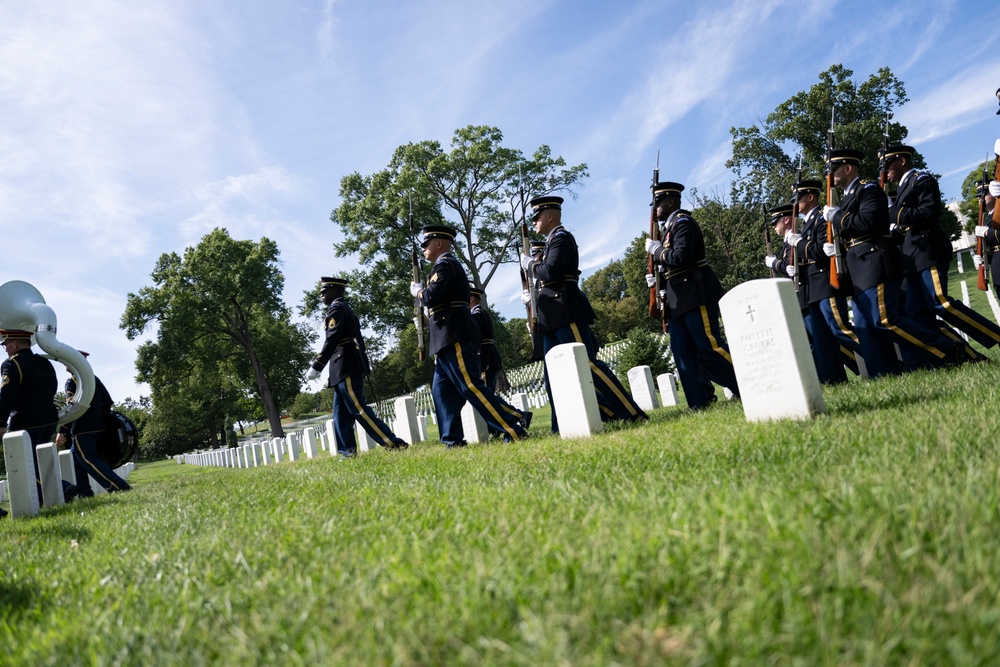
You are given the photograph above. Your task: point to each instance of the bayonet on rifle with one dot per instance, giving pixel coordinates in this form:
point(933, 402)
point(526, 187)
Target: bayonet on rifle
point(837, 261)
point(418, 311)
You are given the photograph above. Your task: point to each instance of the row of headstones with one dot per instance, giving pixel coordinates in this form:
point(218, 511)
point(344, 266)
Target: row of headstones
point(54, 466)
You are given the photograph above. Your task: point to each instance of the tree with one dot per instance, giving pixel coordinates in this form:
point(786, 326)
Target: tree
point(765, 170)
point(618, 310)
point(733, 228)
point(480, 187)
point(222, 333)
point(968, 205)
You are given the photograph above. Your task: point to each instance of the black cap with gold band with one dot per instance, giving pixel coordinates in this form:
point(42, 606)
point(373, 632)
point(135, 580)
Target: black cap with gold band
point(544, 203)
point(432, 232)
point(778, 212)
point(327, 282)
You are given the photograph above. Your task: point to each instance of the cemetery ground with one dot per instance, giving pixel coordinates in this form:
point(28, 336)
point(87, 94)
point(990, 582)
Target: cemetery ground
point(870, 535)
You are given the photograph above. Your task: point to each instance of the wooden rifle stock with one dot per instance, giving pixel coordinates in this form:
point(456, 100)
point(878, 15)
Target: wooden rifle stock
point(418, 312)
point(836, 262)
point(656, 309)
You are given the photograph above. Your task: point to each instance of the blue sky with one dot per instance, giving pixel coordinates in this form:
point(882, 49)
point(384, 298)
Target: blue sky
point(132, 129)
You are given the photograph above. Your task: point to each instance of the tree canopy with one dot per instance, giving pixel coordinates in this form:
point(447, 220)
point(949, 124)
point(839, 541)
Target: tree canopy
point(222, 335)
point(479, 186)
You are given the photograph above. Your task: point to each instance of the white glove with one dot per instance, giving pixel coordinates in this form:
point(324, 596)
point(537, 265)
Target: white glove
point(415, 288)
point(981, 230)
point(829, 249)
point(790, 270)
point(526, 262)
point(312, 374)
point(995, 188)
point(996, 147)
point(769, 261)
point(829, 212)
point(526, 297)
point(791, 238)
point(892, 227)
point(652, 246)
point(650, 280)
point(977, 261)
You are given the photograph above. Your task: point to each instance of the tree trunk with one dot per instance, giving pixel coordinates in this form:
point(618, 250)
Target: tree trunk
point(266, 397)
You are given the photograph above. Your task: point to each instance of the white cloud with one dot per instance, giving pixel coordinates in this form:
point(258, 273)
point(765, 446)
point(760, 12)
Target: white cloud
point(953, 105)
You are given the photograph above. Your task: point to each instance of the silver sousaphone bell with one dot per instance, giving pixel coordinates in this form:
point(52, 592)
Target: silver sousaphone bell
point(23, 307)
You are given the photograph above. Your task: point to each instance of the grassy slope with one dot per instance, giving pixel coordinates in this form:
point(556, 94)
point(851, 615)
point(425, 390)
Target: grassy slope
point(869, 535)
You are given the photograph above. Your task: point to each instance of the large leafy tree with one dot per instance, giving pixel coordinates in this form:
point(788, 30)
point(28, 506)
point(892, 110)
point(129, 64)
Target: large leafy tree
point(222, 335)
point(765, 155)
point(478, 186)
point(968, 205)
point(617, 308)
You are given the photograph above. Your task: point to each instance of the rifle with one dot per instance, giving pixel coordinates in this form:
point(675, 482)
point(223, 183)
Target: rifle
point(883, 173)
point(767, 234)
point(837, 261)
point(526, 282)
point(983, 279)
point(795, 218)
point(655, 300)
point(418, 312)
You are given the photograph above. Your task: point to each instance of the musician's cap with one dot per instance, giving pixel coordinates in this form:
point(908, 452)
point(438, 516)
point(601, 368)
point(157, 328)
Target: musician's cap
point(476, 292)
point(432, 232)
point(896, 151)
point(779, 212)
point(666, 189)
point(807, 187)
point(539, 204)
point(327, 282)
point(841, 156)
point(537, 247)
point(14, 334)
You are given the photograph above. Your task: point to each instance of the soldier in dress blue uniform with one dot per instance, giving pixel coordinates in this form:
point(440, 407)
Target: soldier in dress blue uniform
point(915, 222)
point(692, 295)
point(344, 348)
point(490, 362)
point(990, 235)
point(27, 397)
point(564, 314)
point(82, 434)
point(454, 340)
point(875, 269)
point(822, 345)
point(832, 331)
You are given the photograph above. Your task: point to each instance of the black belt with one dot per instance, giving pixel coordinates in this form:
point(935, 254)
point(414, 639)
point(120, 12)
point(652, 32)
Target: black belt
point(453, 304)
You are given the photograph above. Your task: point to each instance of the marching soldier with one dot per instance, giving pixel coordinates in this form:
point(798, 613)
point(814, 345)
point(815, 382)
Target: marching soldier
point(692, 296)
point(875, 270)
point(454, 340)
point(989, 233)
point(915, 223)
point(344, 348)
point(831, 325)
point(82, 434)
point(27, 397)
point(564, 314)
point(490, 362)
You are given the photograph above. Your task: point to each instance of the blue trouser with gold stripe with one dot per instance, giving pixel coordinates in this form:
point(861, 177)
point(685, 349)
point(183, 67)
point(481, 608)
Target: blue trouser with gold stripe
point(457, 379)
point(878, 321)
point(349, 406)
point(932, 286)
point(701, 352)
point(87, 461)
point(613, 400)
point(833, 311)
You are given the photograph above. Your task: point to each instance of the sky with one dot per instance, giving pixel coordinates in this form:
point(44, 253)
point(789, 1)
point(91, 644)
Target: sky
point(132, 129)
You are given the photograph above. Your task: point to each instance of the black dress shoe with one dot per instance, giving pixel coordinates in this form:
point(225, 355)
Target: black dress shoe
point(70, 492)
point(456, 445)
point(526, 419)
point(397, 445)
point(3, 513)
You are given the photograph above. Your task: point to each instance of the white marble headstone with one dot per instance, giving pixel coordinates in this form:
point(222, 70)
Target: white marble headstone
point(50, 474)
point(770, 351)
point(668, 389)
point(573, 395)
point(474, 425)
point(20, 474)
point(310, 444)
point(406, 420)
point(640, 381)
point(66, 466)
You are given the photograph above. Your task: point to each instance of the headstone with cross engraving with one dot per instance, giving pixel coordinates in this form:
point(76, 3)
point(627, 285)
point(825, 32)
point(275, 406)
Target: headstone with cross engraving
point(770, 350)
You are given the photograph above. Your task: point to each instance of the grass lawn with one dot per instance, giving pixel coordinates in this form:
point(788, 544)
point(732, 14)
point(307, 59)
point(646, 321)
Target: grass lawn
point(869, 535)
